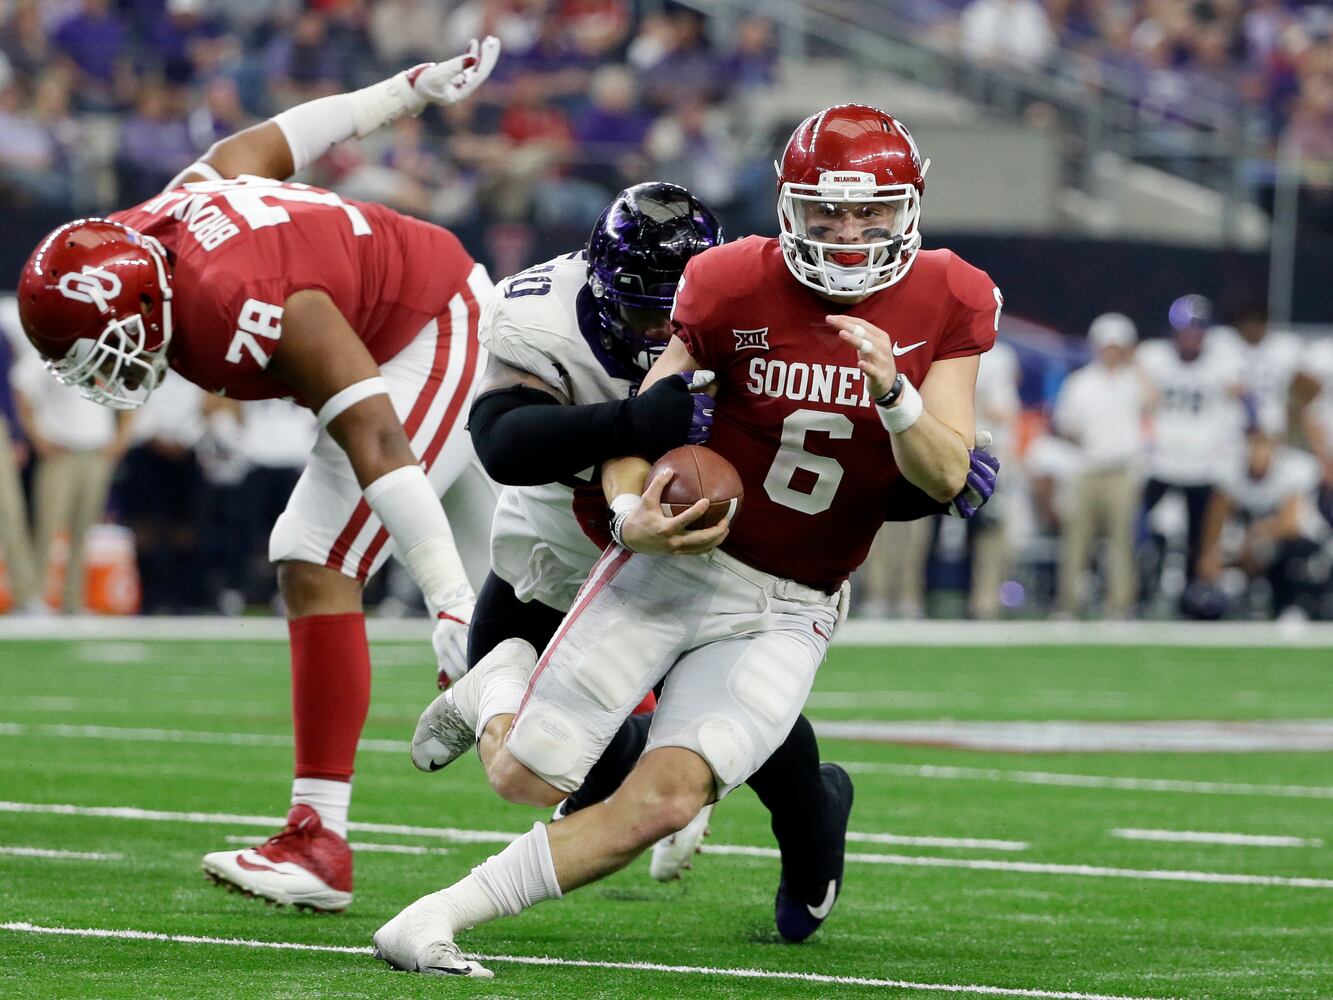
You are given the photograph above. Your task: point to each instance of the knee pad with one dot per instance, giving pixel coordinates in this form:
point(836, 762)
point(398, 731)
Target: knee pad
point(612, 672)
point(770, 688)
point(726, 747)
point(550, 743)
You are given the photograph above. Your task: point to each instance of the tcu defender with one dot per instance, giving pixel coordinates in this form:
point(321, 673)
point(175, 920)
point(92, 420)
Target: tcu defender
point(819, 340)
point(257, 289)
point(1194, 436)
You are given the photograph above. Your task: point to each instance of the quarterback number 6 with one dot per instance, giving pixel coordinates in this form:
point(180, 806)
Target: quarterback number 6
point(792, 457)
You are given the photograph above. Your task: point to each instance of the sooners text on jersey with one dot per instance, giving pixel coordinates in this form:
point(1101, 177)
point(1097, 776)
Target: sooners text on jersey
point(794, 413)
point(239, 248)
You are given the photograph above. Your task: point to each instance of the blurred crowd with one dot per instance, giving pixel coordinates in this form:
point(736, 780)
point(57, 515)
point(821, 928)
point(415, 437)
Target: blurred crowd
point(590, 95)
point(1265, 66)
point(1188, 474)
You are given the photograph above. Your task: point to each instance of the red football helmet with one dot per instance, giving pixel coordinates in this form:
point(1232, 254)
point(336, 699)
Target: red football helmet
point(845, 156)
point(95, 300)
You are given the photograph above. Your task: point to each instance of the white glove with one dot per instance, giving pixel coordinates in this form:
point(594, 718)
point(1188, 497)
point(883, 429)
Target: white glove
point(449, 640)
point(454, 79)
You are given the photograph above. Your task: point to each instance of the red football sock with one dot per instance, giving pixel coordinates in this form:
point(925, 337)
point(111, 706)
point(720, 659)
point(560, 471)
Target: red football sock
point(330, 692)
point(646, 707)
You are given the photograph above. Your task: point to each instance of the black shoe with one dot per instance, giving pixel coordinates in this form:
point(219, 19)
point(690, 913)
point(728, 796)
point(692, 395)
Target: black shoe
point(797, 919)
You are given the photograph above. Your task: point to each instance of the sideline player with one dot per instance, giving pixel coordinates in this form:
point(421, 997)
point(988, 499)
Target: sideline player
point(255, 289)
point(1194, 434)
point(817, 407)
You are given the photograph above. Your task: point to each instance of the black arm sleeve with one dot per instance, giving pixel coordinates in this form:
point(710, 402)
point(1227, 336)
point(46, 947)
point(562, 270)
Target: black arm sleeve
point(907, 502)
point(525, 437)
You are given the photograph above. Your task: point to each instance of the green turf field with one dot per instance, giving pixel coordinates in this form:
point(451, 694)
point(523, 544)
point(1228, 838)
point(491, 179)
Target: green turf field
point(1021, 890)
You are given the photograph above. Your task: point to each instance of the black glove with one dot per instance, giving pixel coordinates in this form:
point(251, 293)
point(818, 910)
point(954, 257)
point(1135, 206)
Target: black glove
point(671, 413)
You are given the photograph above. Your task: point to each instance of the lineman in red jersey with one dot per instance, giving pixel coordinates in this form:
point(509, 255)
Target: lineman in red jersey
point(818, 408)
point(254, 288)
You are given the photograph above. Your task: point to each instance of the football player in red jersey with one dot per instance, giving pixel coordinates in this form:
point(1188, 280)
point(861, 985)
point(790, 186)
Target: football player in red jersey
point(254, 289)
point(831, 387)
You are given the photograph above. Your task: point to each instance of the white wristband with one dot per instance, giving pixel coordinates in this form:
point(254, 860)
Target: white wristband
point(905, 412)
point(621, 508)
point(313, 128)
point(345, 399)
point(405, 502)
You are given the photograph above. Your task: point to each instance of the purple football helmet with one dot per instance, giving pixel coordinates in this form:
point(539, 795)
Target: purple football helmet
point(636, 255)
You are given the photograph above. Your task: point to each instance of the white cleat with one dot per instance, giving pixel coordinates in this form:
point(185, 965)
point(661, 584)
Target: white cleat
point(447, 728)
point(421, 939)
point(673, 854)
point(305, 866)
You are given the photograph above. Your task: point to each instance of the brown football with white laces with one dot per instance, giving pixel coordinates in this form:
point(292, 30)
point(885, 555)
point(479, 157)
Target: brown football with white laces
point(699, 473)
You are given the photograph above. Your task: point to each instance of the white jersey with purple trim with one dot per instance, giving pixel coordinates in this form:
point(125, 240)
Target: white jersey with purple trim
point(1292, 472)
point(1194, 430)
point(531, 323)
point(1264, 370)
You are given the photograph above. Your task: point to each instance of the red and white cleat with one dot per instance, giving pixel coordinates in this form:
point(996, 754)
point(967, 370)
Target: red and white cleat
point(305, 866)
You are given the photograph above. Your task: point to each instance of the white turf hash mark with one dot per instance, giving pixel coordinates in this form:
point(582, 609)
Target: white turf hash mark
point(1201, 837)
point(43, 852)
point(23, 927)
point(1092, 780)
point(495, 837)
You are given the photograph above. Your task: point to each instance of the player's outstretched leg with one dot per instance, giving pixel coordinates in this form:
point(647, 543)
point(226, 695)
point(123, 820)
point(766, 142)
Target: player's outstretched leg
point(667, 788)
point(452, 723)
point(810, 804)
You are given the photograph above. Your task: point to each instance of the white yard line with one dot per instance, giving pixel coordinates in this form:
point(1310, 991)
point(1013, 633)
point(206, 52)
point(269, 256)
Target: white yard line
point(1131, 784)
point(855, 633)
point(688, 970)
point(500, 837)
point(1041, 868)
point(1201, 837)
point(962, 843)
point(44, 852)
point(362, 847)
point(1071, 736)
point(128, 735)
point(234, 819)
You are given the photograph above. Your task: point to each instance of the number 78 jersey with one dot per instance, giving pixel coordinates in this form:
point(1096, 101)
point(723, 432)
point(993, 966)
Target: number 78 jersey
point(240, 248)
point(794, 414)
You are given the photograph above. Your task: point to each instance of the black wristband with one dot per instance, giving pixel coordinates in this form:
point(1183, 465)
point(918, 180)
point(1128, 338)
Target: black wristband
point(895, 390)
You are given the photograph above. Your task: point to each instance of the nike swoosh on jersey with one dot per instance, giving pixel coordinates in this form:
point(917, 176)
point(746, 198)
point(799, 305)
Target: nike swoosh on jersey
point(898, 352)
point(822, 910)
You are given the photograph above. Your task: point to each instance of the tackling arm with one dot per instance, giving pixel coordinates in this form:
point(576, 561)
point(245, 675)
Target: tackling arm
point(637, 521)
point(524, 436)
point(288, 142)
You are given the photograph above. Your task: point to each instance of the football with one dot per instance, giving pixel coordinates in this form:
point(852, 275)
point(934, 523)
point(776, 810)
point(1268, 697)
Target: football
point(699, 472)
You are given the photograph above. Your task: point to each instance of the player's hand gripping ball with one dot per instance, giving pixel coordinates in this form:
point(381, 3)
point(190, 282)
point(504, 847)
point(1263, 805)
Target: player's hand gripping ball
point(699, 473)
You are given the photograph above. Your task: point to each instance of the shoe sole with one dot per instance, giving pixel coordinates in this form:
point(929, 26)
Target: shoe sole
point(481, 971)
point(319, 903)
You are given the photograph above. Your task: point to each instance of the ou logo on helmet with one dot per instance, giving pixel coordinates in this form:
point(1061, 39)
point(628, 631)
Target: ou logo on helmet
point(92, 284)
